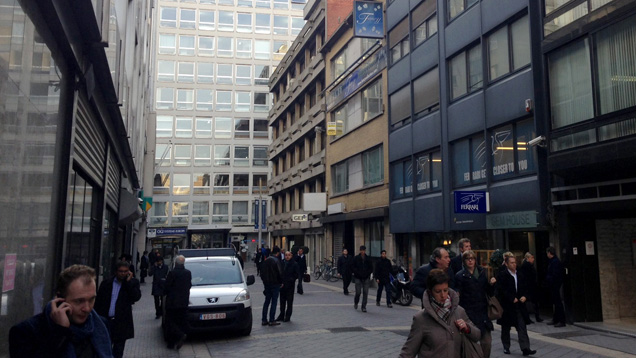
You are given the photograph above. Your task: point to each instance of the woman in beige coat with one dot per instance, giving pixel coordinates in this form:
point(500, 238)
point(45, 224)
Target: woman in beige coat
point(436, 330)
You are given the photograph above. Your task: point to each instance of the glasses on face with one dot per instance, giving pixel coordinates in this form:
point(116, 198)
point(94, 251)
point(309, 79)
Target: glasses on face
point(470, 259)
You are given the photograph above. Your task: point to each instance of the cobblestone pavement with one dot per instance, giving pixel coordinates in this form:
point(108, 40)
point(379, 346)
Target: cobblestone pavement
point(325, 324)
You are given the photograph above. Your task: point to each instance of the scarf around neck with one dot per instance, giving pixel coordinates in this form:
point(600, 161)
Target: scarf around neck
point(443, 309)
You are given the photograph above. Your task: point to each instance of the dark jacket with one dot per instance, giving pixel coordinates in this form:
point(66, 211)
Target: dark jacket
point(362, 268)
point(159, 279)
point(122, 327)
point(530, 274)
point(456, 263)
point(272, 271)
point(382, 271)
point(344, 265)
point(418, 286)
point(472, 296)
point(302, 263)
point(144, 266)
point(178, 285)
point(506, 294)
point(554, 277)
point(290, 274)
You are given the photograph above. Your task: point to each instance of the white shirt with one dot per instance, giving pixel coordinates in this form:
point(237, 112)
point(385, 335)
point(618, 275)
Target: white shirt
point(514, 274)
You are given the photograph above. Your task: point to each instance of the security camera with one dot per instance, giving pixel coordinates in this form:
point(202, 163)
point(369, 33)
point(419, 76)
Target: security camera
point(538, 141)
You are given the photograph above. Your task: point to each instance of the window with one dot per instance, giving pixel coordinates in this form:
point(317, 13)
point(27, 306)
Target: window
point(180, 212)
point(186, 72)
point(222, 128)
point(243, 101)
point(424, 21)
point(261, 129)
point(241, 184)
point(205, 72)
point(280, 49)
point(160, 212)
point(226, 2)
point(262, 49)
point(261, 101)
point(183, 156)
point(165, 98)
point(187, 19)
point(347, 55)
point(163, 155)
point(203, 127)
point(246, 3)
point(220, 213)
point(223, 101)
point(469, 161)
point(167, 44)
point(168, 17)
point(372, 167)
point(165, 71)
point(239, 212)
point(241, 156)
point(200, 212)
point(261, 75)
point(206, 46)
point(428, 176)
point(184, 127)
point(201, 184)
point(402, 179)
point(164, 126)
point(281, 25)
point(224, 73)
point(466, 72)
point(263, 23)
point(426, 92)
point(243, 48)
point(221, 155)
point(399, 41)
point(202, 156)
point(221, 184)
point(161, 184)
point(297, 24)
point(204, 100)
point(181, 184)
point(266, 4)
point(259, 183)
point(456, 7)
point(244, 22)
point(400, 107)
point(511, 154)
point(374, 233)
point(509, 48)
point(186, 45)
point(372, 101)
point(206, 20)
point(242, 128)
point(359, 171)
point(281, 4)
point(243, 75)
point(225, 47)
point(260, 156)
point(185, 99)
point(226, 21)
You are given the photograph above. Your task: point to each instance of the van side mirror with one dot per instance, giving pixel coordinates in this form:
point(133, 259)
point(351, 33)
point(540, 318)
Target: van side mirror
point(250, 280)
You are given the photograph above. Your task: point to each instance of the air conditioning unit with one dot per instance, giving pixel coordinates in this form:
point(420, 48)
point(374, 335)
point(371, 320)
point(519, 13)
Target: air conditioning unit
point(335, 208)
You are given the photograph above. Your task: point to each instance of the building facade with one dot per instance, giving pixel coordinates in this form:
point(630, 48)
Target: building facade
point(74, 79)
point(213, 61)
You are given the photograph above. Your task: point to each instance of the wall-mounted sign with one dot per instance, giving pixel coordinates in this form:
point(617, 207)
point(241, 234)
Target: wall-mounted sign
point(371, 66)
point(368, 19)
point(256, 212)
point(471, 202)
point(165, 231)
point(8, 280)
point(299, 217)
point(335, 128)
point(515, 220)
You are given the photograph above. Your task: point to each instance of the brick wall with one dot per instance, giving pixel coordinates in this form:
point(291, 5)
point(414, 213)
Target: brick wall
point(616, 266)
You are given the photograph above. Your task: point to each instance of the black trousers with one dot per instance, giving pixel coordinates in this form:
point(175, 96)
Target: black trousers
point(118, 348)
point(559, 311)
point(158, 305)
point(286, 302)
point(177, 324)
point(346, 281)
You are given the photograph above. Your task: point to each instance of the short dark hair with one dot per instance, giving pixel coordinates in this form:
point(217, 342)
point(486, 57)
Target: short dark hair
point(275, 250)
point(363, 248)
point(551, 250)
point(122, 264)
point(437, 253)
point(461, 242)
point(507, 258)
point(383, 251)
point(467, 254)
point(72, 273)
point(436, 277)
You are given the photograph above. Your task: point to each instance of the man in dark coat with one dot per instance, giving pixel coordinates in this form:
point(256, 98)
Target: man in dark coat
point(456, 262)
point(124, 289)
point(345, 262)
point(272, 276)
point(554, 279)
point(178, 284)
point(362, 270)
point(439, 259)
point(144, 265)
point(159, 272)
point(382, 277)
point(532, 289)
point(68, 326)
point(301, 260)
point(511, 292)
point(290, 274)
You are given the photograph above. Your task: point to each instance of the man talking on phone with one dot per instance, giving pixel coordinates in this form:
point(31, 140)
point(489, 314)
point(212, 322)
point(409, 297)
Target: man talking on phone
point(115, 298)
point(68, 327)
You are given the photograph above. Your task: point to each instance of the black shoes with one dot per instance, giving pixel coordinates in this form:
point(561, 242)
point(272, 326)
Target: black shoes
point(300, 292)
point(528, 352)
point(559, 325)
point(286, 320)
point(279, 318)
point(377, 303)
point(364, 309)
point(274, 323)
point(355, 306)
point(389, 305)
point(181, 341)
point(551, 323)
point(539, 319)
point(264, 323)
point(506, 351)
point(346, 293)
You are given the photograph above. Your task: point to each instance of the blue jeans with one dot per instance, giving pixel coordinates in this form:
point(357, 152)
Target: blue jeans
point(271, 293)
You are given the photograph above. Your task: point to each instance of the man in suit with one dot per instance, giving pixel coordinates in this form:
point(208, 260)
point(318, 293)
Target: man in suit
point(290, 274)
point(344, 269)
point(178, 284)
point(301, 260)
point(159, 272)
point(439, 259)
point(114, 301)
point(456, 262)
point(511, 292)
point(362, 270)
point(555, 280)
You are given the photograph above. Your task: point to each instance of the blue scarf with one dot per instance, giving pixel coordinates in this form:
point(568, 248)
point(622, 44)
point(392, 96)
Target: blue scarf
point(94, 329)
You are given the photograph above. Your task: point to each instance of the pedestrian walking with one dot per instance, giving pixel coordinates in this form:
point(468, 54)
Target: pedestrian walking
point(159, 272)
point(345, 263)
point(532, 288)
point(554, 279)
point(272, 276)
point(457, 262)
point(144, 265)
point(362, 270)
point(382, 275)
point(114, 301)
point(301, 260)
point(68, 327)
point(473, 287)
point(437, 330)
point(290, 274)
point(439, 259)
point(178, 284)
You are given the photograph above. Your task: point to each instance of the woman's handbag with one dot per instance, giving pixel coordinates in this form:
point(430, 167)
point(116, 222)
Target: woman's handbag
point(306, 277)
point(470, 349)
point(494, 308)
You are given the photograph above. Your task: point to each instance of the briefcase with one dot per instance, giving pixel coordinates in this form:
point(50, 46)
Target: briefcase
point(306, 277)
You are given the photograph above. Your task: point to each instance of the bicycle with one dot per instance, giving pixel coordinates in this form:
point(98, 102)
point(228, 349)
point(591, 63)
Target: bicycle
point(332, 274)
point(321, 268)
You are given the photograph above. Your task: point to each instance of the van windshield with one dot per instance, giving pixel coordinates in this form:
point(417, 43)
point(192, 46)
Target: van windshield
point(215, 272)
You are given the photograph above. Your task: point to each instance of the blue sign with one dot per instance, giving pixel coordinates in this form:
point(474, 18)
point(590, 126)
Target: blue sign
point(470, 202)
point(264, 214)
point(256, 211)
point(171, 231)
point(368, 19)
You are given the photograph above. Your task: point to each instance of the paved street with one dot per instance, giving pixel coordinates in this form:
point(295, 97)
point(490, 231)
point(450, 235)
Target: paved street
point(324, 324)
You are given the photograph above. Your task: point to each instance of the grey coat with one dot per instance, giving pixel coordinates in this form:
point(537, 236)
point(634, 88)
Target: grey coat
point(432, 337)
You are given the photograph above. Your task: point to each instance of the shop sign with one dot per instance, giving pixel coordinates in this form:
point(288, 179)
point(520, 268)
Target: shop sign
point(369, 20)
point(514, 220)
point(166, 231)
point(360, 76)
point(299, 217)
point(471, 202)
point(8, 280)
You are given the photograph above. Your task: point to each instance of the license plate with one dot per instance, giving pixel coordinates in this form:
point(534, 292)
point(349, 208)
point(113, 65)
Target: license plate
point(207, 316)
